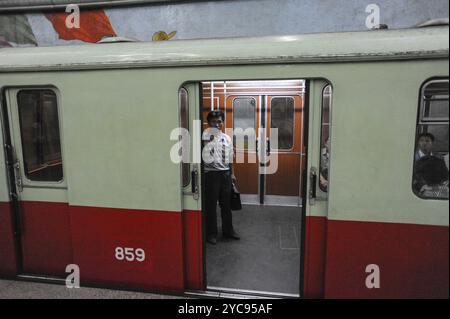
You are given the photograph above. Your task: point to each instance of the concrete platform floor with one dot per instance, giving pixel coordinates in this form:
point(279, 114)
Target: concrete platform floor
point(11, 289)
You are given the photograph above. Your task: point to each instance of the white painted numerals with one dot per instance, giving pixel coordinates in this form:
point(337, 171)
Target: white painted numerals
point(130, 254)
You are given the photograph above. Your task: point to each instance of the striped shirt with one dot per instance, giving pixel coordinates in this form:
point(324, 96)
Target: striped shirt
point(218, 150)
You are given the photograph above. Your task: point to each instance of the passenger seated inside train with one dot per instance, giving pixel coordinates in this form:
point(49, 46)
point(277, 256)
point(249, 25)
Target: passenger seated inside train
point(431, 178)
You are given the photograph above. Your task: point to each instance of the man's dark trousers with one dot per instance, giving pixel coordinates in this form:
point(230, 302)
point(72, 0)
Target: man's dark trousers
point(218, 188)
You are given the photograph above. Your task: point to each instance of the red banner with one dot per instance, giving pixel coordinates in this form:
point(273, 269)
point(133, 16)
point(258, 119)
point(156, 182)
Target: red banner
point(94, 25)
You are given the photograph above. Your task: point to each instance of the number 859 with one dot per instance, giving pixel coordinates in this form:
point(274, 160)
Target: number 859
point(130, 254)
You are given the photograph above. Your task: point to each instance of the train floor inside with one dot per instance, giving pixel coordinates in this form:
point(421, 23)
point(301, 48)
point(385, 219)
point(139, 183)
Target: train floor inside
point(265, 259)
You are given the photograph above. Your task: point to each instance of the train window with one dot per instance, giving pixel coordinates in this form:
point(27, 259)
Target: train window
point(184, 123)
point(430, 176)
point(282, 118)
point(244, 110)
point(39, 129)
point(435, 102)
point(325, 138)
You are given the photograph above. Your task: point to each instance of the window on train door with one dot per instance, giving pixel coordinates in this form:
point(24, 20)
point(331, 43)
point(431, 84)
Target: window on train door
point(39, 130)
point(431, 167)
point(184, 124)
point(244, 110)
point(282, 118)
point(325, 139)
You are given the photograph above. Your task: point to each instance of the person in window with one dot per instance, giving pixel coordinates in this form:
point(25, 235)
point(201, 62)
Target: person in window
point(324, 165)
point(425, 143)
point(218, 155)
point(431, 176)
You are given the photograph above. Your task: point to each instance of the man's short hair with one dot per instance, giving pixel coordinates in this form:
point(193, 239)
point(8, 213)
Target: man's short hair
point(429, 135)
point(215, 113)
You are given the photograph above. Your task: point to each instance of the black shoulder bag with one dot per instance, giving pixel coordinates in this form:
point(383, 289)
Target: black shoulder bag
point(235, 198)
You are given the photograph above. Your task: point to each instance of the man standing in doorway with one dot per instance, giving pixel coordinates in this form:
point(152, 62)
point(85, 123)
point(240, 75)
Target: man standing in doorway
point(218, 157)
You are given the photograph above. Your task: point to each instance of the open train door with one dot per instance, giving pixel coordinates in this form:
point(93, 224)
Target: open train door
point(266, 260)
point(316, 199)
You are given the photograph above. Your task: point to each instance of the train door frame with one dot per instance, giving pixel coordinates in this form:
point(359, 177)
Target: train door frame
point(24, 190)
point(14, 200)
point(304, 183)
point(191, 194)
point(315, 200)
point(315, 195)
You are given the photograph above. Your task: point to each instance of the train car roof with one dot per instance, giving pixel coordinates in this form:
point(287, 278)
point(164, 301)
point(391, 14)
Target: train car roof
point(414, 43)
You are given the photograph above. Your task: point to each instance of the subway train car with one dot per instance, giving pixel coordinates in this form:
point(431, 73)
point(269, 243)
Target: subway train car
point(91, 176)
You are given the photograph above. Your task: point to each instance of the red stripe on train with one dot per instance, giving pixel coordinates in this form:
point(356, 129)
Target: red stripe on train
point(314, 260)
point(46, 238)
point(8, 260)
point(102, 236)
point(413, 259)
point(193, 249)
point(98, 239)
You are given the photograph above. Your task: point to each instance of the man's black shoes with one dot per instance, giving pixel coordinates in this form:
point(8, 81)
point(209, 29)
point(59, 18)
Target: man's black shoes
point(232, 235)
point(213, 240)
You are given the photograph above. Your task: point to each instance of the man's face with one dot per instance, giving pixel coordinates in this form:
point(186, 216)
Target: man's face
point(216, 122)
point(425, 144)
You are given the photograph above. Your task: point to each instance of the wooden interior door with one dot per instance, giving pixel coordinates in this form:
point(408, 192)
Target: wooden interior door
point(285, 114)
point(242, 112)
